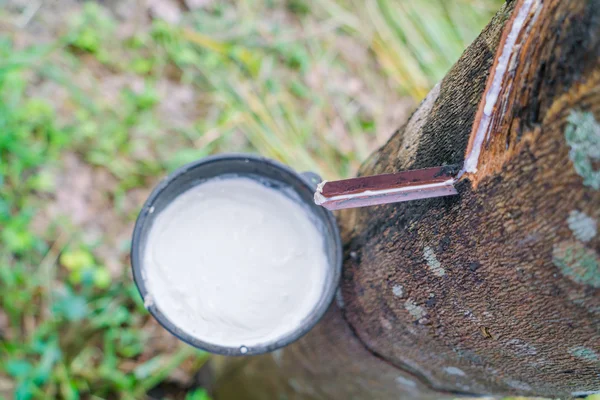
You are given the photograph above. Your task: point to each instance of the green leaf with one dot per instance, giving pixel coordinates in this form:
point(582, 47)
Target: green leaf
point(144, 100)
point(44, 181)
point(129, 343)
point(18, 368)
point(198, 394)
point(141, 65)
point(148, 368)
point(24, 391)
point(102, 278)
point(50, 356)
point(186, 156)
point(123, 382)
point(70, 306)
point(298, 7)
point(299, 89)
point(16, 239)
point(87, 276)
point(76, 259)
point(134, 295)
point(114, 316)
point(69, 390)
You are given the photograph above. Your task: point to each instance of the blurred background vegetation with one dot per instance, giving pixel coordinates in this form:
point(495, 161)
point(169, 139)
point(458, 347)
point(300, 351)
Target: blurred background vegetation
point(99, 100)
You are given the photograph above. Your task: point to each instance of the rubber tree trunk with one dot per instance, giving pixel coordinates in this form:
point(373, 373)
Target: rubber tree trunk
point(493, 291)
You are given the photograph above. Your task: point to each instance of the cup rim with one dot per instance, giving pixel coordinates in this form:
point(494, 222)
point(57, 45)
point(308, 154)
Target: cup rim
point(137, 261)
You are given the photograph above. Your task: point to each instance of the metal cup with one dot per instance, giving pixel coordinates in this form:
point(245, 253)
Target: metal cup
point(297, 186)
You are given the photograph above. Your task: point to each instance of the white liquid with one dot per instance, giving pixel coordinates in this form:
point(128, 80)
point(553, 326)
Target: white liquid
point(234, 263)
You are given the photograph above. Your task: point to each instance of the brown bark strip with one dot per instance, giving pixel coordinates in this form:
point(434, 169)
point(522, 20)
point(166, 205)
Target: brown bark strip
point(387, 188)
point(389, 181)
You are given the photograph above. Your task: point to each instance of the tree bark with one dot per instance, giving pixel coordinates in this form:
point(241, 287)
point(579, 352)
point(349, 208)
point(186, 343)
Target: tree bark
point(496, 290)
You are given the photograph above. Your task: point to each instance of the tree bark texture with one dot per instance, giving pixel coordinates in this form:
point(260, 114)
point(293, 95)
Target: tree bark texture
point(496, 290)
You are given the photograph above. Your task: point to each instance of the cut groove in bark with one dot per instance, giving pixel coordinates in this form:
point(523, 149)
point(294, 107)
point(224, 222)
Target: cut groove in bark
point(499, 82)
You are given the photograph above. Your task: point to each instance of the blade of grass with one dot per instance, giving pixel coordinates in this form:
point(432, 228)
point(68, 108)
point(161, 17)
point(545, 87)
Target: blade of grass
point(167, 366)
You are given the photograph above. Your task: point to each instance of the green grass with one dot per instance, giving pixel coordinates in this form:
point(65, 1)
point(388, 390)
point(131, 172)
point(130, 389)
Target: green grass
point(312, 84)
